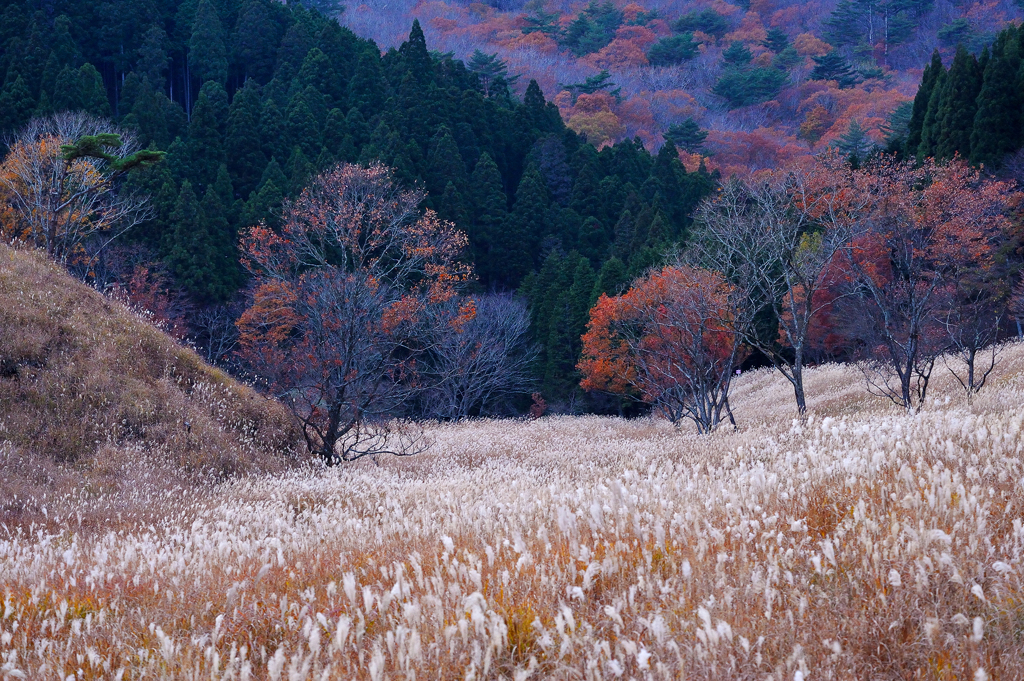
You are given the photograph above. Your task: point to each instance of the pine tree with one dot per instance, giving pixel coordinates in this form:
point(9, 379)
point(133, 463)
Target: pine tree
point(414, 54)
point(207, 54)
point(921, 99)
point(452, 207)
point(67, 91)
point(515, 247)
point(153, 59)
point(254, 42)
point(365, 91)
point(242, 142)
point(610, 280)
point(16, 105)
point(776, 40)
point(191, 247)
point(445, 165)
point(205, 142)
point(832, 66)
point(299, 170)
point(93, 96)
point(855, 143)
point(955, 118)
point(264, 204)
point(930, 125)
point(737, 54)
point(303, 130)
point(273, 135)
point(490, 211)
point(687, 135)
point(997, 124)
point(225, 275)
point(593, 240)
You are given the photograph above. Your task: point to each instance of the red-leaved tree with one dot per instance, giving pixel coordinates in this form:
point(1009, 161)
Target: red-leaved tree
point(927, 229)
point(671, 341)
point(345, 300)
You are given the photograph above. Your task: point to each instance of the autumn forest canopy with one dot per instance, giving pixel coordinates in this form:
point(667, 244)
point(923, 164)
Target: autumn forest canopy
point(376, 233)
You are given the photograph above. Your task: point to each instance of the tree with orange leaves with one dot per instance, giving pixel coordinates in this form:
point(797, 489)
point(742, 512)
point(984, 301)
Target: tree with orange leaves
point(926, 228)
point(670, 340)
point(345, 299)
point(59, 188)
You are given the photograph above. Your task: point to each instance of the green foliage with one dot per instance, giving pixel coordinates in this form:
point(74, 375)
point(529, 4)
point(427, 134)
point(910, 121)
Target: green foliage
point(207, 56)
point(592, 29)
point(957, 107)
point(706, 21)
point(686, 135)
point(833, 66)
point(275, 93)
point(592, 84)
point(777, 41)
point(737, 54)
point(855, 143)
point(674, 49)
point(743, 87)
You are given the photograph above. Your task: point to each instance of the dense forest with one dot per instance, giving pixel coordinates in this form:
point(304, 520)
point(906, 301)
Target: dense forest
point(251, 99)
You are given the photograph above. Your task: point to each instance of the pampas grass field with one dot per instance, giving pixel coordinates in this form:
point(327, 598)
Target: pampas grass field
point(862, 543)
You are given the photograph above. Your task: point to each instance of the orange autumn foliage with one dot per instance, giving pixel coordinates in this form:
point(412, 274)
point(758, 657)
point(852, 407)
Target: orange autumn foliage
point(668, 340)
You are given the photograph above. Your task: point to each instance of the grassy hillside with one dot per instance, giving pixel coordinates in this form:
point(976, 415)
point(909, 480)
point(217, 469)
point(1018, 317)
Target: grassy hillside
point(95, 401)
point(862, 543)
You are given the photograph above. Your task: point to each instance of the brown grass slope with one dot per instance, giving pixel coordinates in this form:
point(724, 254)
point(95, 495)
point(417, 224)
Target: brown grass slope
point(95, 401)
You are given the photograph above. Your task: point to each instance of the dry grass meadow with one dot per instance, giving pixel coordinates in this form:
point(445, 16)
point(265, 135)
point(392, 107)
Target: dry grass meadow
point(860, 544)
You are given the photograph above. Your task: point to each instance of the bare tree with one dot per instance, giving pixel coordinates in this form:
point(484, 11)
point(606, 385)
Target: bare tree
point(477, 370)
point(777, 238)
point(926, 227)
point(1017, 306)
point(214, 332)
point(346, 301)
point(60, 180)
point(971, 313)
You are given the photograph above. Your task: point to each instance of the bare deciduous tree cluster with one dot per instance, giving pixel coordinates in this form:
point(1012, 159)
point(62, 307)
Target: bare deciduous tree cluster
point(58, 200)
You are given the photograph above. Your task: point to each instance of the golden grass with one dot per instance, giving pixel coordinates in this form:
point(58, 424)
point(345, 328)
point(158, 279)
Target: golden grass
point(94, 401)
point(861, 543)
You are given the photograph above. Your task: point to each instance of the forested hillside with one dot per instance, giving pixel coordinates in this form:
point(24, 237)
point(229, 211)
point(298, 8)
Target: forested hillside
point(251, 99)
point(767, 81)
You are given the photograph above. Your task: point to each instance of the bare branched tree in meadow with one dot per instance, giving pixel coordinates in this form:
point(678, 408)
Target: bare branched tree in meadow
point(347, 299)
point(927, 228)
point(487, 362)
point(777, 239)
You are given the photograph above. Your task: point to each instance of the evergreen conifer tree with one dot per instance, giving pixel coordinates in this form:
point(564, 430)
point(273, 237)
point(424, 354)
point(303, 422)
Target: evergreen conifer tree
point(207, 54)
point(610, 279)
point(921, 99)
point(997, 123)
point(205, 144)
point(955, 116)
point(833, 66)
point(245, 157)
point(490, 211)
point(930, 125)
point(16, 104)
point(93, 96)
point(273, 135)
point(191, 247)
